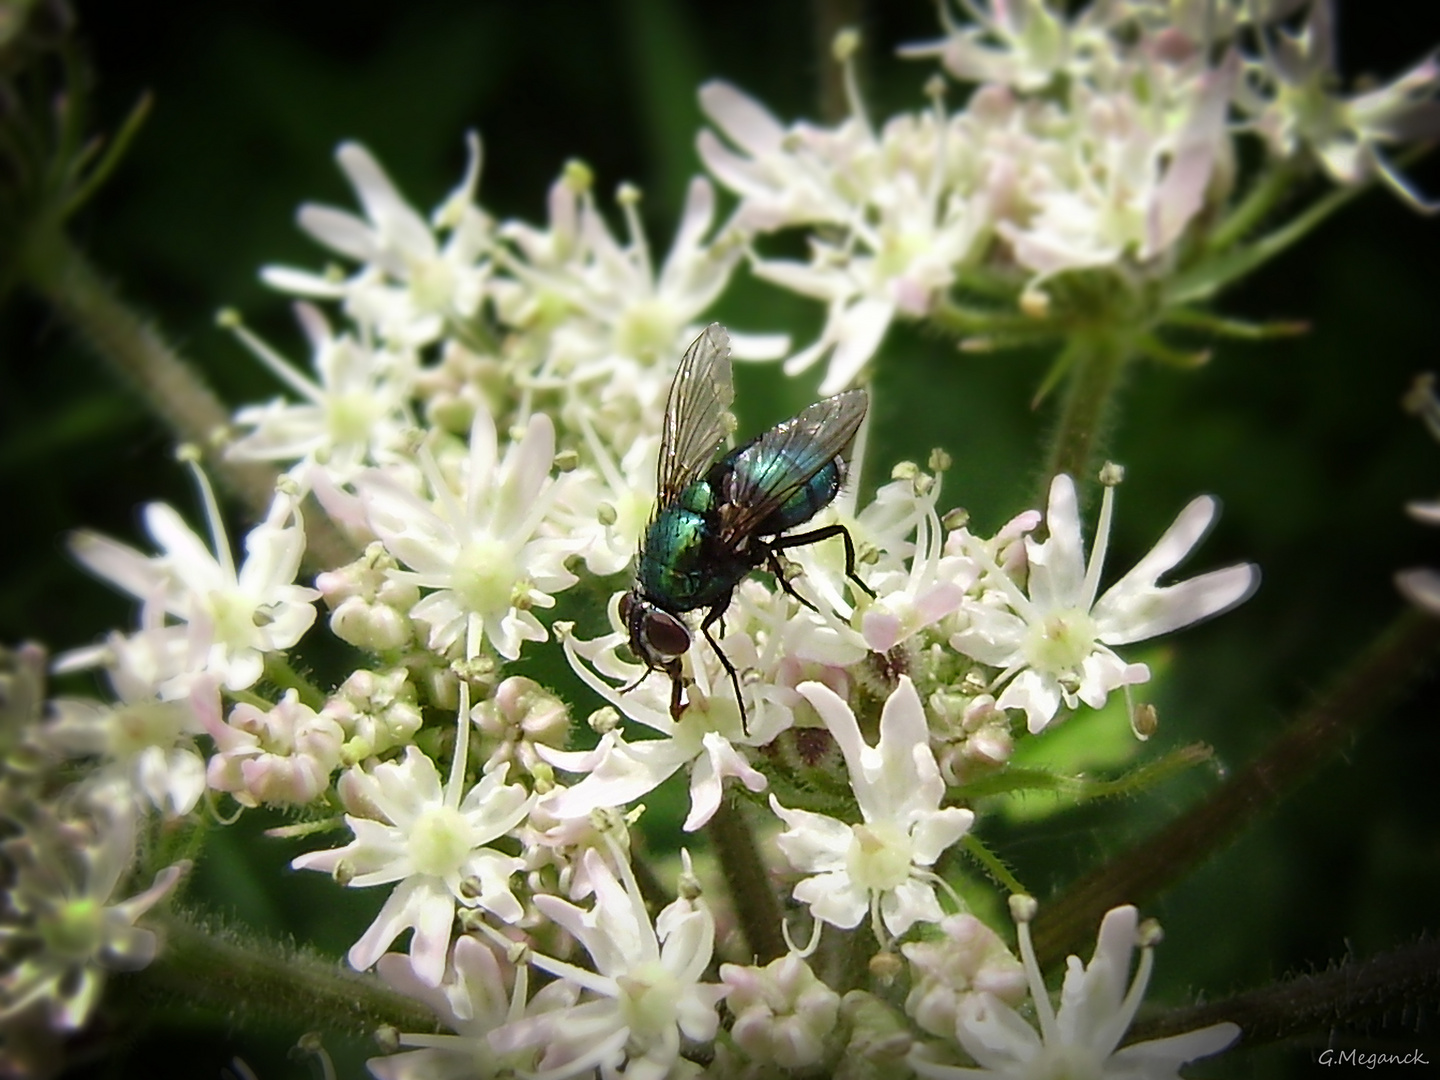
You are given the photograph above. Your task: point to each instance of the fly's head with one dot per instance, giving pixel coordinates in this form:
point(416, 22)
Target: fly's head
point(657, 638)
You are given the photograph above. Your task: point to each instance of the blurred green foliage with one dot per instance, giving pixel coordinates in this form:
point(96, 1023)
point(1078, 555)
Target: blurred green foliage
point(1303, 440)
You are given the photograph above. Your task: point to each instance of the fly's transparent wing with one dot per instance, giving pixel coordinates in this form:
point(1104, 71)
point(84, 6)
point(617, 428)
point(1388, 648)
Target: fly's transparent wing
point(696, 413)
point(787, 457)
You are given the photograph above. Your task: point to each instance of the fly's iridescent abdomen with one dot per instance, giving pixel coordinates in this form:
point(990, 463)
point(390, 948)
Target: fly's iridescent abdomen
point(754, 467)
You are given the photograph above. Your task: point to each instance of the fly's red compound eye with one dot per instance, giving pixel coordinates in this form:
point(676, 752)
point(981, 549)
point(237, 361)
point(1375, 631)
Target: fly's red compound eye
point(626, 605)
point(665, 634)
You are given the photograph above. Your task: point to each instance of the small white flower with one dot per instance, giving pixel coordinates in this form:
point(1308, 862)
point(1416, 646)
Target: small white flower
point(354, 412)
point(705, 737)
point(1096, 1010)
point(73, 929)
point(149, 741)
point(435, 844)
point(1054, 640)
point(882, 864)
point(408, 285)
point(1022, 43)
point(477, 548)
point(472, 1002)
point(625, 319)
point(644, 994)
point(232, 617)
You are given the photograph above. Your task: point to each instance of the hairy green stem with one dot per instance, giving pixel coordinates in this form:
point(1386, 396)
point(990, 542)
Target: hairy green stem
point(169, 387)
point(1360, 695)
point(282, 673)
point(756, 906)
point(224, 975)
point(1394, 984)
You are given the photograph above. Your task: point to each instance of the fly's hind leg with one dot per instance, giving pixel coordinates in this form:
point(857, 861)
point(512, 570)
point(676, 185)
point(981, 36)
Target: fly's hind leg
point(814, 537)
point(712, 616)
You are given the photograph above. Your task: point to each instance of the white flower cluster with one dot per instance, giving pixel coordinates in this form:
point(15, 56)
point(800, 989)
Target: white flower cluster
point(482, 424)
point(1106, 141)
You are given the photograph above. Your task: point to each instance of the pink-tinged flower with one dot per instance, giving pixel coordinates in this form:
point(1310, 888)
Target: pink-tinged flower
point(783, 1013)
point(1096, 1009)
point(644, 994)
point(279, 756)
point(1053, 639)
point(1295, 105)
point(882, 865)
point(968, 959)
point(434, 843)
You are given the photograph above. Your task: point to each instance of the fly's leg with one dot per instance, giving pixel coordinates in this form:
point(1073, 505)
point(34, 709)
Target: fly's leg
point(711, 616)
point(773, 564)
point(677, 705)
point(814, 537)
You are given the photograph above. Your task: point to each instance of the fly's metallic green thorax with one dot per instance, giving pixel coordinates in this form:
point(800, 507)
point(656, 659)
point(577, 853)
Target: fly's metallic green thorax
point(720, 516)
point(680, 568)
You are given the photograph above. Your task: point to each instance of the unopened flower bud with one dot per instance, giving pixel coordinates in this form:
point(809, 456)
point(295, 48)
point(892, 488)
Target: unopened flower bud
point(783, 1013)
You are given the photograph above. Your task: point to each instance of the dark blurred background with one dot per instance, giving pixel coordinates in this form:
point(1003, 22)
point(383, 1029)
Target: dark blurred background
point(1303, 440)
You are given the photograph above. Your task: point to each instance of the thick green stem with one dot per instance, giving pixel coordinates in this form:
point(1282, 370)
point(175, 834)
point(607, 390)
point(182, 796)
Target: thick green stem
point(756, 905)
point(135, 349)
point(1361, 694)
point(1093, 361)
point(225, 976)
point(1393, 984)
point(170, 388)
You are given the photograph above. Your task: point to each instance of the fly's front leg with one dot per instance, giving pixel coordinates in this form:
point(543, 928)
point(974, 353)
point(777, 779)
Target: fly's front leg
point(814, 537)
point(677, 704)
point(711, 616)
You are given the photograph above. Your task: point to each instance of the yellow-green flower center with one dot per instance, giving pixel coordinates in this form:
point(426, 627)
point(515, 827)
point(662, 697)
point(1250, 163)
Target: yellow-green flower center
point(484, 576)
point(1059, 643)
point(73, 931)
point(879, 857)
point(650, 1003)
point(440, 841)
